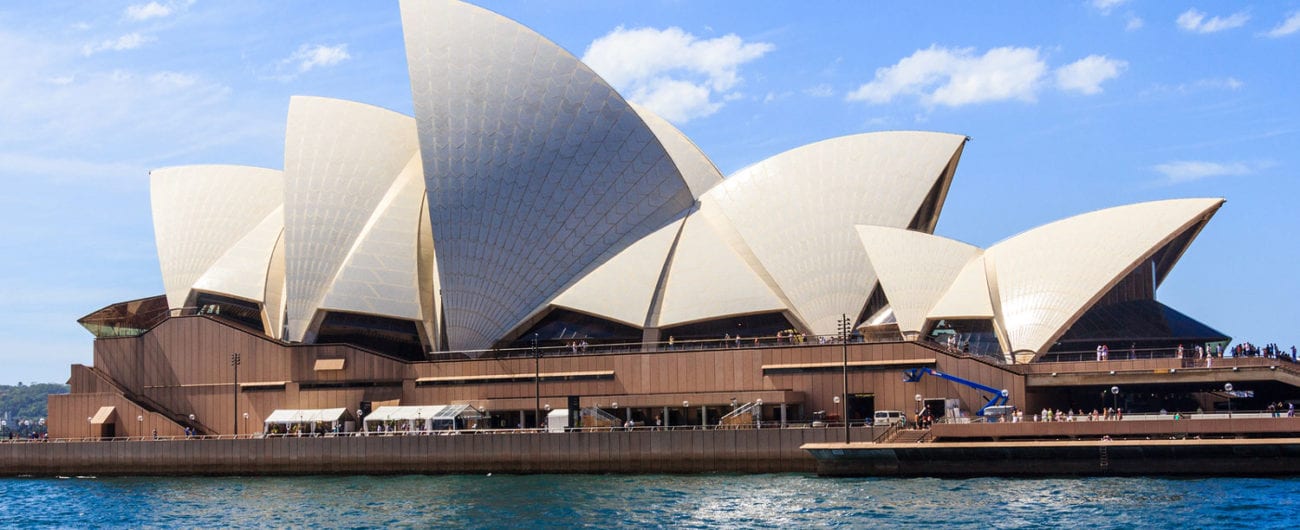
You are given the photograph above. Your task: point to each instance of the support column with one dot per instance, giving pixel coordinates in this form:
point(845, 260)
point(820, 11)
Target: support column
point(704, 416)
point(783, 414)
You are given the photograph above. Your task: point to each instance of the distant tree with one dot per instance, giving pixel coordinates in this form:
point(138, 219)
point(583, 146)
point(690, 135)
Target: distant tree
point(27, 401)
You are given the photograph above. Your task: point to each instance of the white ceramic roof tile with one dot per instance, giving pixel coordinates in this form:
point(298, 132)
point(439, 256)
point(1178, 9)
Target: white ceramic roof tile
point(796, 212)
point(915, 269)
point(536, 169)
point(708, 279)
point(1048, 276)
point(623, 287)
point(700, 173)
point(341, 159)
point(380, 275)
point(968, 296)
point(200, 212)
point(241, 272)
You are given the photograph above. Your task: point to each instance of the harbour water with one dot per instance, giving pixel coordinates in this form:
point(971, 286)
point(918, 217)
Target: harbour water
point(647, 501)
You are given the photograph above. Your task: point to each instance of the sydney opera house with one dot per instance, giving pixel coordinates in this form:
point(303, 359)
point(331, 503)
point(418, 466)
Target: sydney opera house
point(530, 241)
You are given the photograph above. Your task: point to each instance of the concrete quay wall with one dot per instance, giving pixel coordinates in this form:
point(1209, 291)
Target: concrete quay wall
point(685, 451)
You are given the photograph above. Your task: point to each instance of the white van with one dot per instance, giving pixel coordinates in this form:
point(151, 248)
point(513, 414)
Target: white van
point(888, 417)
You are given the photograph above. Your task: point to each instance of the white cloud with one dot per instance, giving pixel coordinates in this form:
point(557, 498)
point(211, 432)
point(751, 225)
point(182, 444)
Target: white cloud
point(1087, 74)
point(820, 91)
point(1195, 21)
point(1105, 6)
point(309, 57)
point(139, 12)
point(1182, 171)
point(1287, 27)
point(673, 73)
point(130, 41)
point(1211, 83)
point(1134, 23)
point(955, 77)
point(147, 11)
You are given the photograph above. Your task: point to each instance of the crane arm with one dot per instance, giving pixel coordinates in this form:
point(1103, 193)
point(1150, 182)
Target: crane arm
point(999, 396)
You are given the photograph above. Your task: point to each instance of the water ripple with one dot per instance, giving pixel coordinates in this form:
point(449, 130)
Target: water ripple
point(650, 501)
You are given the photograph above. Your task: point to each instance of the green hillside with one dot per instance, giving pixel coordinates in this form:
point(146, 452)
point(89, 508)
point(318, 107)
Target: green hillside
point(27, 402)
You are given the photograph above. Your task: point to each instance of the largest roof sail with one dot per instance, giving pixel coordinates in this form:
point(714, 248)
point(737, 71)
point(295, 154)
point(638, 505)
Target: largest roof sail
point(536, 169)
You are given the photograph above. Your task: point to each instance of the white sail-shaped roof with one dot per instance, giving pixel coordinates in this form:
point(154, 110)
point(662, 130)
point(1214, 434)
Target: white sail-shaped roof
point(796, 212)
point(242, 270)
point(915, 270)
point(1047, 277)
point(969, 294)
point(709, 279)
point(381, 273)
point(700, 173)
point(342, 160)
point(623, 288)
point(199, 213)
point(536, 169)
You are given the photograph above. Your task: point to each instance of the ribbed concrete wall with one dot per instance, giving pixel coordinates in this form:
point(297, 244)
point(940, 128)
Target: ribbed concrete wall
point(740, 451)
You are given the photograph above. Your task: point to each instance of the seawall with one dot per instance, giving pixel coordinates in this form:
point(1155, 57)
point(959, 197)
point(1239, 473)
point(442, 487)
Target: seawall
point(684, 451)
point(1185, 457)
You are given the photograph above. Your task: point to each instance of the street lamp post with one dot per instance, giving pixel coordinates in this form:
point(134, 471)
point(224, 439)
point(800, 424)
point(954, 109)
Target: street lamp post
point(686, 412)
point(844, 326)
point(245, 422)
point(234, 361)
point(1227, 388)
point(1114, 393)
point(537, 383)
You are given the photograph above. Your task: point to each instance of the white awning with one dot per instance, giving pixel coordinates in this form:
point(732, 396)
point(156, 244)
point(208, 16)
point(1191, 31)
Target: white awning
point(422, 412)
point(281, 416)
point(400, 413)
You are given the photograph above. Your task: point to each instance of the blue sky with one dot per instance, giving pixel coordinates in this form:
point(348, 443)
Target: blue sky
point(1072, 107)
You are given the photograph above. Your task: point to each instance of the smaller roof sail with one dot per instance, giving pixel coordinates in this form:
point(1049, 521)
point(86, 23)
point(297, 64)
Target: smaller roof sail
point(342, 162)
point(915, 270)
point(200, 213)
point(1049, 276)
point(795, 213)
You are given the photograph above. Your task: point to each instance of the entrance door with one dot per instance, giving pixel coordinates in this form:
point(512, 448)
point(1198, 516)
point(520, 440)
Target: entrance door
point(861, 406)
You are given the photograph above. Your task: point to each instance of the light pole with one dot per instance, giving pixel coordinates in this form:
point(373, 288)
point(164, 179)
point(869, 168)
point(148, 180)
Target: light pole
point(1114, 393)
point(1227, 389)
point(537, 383)
point(234, 361)
point(686, 412)
point(844, 326)
point(245, 422)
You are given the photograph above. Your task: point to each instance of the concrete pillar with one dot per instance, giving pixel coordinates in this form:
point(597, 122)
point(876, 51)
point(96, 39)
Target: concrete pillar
point(665, 417)
point(704, 416)
point(783, 414)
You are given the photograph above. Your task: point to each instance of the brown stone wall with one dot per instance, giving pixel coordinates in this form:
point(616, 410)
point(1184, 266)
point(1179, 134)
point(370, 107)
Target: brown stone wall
point(684, 451)
point(182, 367)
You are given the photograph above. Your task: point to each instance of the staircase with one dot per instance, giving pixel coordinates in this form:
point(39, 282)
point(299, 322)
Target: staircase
point(908, 436)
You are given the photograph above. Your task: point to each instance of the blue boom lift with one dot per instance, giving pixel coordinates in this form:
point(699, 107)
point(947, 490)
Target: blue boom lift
point(999, 396)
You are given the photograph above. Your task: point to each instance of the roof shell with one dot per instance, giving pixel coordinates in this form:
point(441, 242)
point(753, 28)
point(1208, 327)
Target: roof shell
point(1048, 276)
point(915, 270)
point(342, 160)
point(795, 213)
point(537, 170)
point(200, 213)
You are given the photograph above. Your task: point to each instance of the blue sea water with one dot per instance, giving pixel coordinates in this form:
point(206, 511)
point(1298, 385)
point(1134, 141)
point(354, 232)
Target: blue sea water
point(648, 501)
